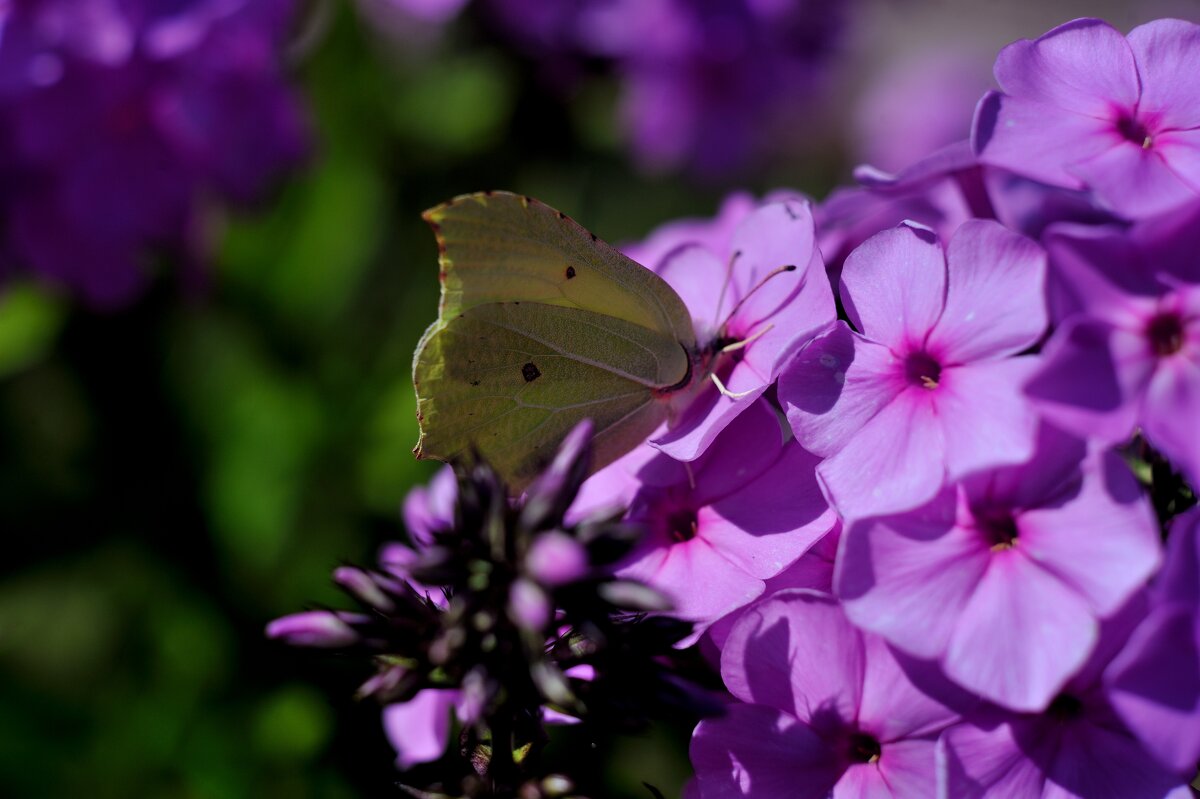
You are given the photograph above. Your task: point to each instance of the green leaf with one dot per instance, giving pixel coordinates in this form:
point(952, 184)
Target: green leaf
point(29, 321)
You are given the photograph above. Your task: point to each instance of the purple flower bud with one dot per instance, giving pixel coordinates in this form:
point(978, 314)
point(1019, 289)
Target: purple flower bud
point(529, 606)
point(362, 587)
point(316, 628)
point(556, 559)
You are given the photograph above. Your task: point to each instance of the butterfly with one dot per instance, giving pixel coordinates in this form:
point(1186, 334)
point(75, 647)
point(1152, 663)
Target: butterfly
point(541, 325)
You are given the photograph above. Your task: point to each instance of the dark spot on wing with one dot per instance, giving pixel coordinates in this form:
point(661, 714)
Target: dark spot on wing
point(474, 382)
point(570, 272)
point(561, 215)
point(595, 237)
point(530, 372)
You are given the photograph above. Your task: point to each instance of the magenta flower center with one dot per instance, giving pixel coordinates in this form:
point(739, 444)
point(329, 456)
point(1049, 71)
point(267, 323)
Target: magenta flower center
point(999, 528)
point(864, 748)
point(1065, 707)
point(1165, 332)
point(1132, 129)
point(681, 524)
point(920, 369)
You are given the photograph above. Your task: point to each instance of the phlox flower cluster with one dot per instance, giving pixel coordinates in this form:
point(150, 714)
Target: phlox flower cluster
point(122, 121)
point(929, 517)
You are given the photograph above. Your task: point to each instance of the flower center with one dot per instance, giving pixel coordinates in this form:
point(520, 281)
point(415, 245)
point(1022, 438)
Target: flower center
point(998, 527)
point(681, 524)
point(864, 748)
point(1131, 129)
point(1065, 707)
point(1165, 332)
point(920, 369)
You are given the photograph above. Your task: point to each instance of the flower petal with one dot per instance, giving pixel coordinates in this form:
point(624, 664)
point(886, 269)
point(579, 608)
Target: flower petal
point(987, 419)
point(420, 728)
point(1037, 140)
point(1102, 540)
point(761, 753)
point(995, 301)
point(1171, 408)
point(895, 462)
point(773, 520)
point(1168, 58)
point(908, 577)
point(1091, 378)
point(985, 763)
point(1134, 181)
point(1022, 635)
point(702, 281)
point(700, 581)
point(1085, 66)
point(1155, 685)
point(835, 385)
point(894, 285)
point(797, 652)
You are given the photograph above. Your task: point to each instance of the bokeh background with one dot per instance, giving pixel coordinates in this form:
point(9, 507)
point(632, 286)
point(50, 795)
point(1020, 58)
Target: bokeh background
point(176, 472)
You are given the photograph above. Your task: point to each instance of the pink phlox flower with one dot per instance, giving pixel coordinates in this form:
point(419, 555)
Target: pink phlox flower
point(717, 527)
point(1005, 577)
point(1127, 354)
point(824, 710)
point(926, 389)
point(1085, 107)
point(750, 304)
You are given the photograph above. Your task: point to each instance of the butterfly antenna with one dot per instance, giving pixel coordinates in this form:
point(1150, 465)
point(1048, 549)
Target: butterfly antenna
point(735, 395)
point(773, 273)
point(728, 279)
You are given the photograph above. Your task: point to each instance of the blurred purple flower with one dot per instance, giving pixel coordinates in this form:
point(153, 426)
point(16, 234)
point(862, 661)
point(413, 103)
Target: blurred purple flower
point(718, 527)
point(1086, 107)
point(1155, 683)
point(825, 711)
point(927, 391)
point(1004, 577)
point(750, 303)
point(707, 84)
point(919, 105)
point(119, 130)
point(429, 509)
point(1129, 354)
point(1077, 748)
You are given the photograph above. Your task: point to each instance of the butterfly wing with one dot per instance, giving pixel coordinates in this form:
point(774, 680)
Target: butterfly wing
point(499, 247)
point(541, 326)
